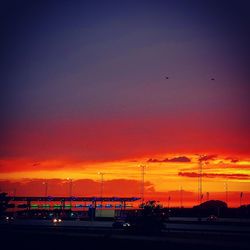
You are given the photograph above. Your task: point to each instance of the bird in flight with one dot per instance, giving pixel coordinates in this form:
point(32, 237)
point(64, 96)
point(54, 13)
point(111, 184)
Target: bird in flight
point(212, 79)
point(166, 77)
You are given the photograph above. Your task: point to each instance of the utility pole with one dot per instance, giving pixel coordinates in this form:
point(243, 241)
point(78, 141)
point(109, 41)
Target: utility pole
point(142, 181)
point(200, 196)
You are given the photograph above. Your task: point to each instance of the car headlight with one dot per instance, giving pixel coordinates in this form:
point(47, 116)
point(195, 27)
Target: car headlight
point(126, 224)
point(54, 220)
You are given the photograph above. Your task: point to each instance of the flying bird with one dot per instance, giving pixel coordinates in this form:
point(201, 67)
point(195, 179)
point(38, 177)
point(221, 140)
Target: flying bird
point(212, 79)
point(166, 77)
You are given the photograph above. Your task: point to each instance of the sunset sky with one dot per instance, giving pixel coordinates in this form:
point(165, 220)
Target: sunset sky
point(108, 86)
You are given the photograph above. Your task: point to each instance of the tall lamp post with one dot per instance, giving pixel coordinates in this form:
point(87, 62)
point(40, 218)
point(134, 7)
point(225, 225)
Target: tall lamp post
point(226, 191)
point(45, 183)
point(207, 196)
point(201, 159)
point(101, 189)
point(181, 197)
point(70, 189)
point(143, 167)
point(241, 195)
point(200, 182)
point(46, 188)
point(101, 183)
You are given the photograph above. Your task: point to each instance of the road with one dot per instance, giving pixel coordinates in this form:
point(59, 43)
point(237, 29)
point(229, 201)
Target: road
point(170, 226)
point(71, 237)
point(100, 235)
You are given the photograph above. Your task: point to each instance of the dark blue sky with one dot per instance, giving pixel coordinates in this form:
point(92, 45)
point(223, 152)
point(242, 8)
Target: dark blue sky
point(95, 60)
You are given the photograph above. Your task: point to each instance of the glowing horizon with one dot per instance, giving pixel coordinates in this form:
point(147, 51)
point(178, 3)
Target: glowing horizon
point(105, 86)
point(163, 176)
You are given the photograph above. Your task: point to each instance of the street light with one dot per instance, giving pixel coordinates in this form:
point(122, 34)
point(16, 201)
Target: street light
point(101, 189)
point(46, 188)
point(241, 195)
point(142, 181)
point(46, 191)
point(181, 197)
point(70, 189)
point(226, 191)
point(70, 186)
point(101, 186)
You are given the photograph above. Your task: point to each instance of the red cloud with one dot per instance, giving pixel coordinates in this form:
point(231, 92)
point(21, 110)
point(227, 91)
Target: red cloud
point(214, 175)
point(207, 157)
point(175, 159)
point(233, 160)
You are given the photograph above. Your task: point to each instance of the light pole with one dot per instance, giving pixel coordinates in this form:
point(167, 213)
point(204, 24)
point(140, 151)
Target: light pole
point(241, 195)
point(46, 188)
point(181, 197)
point(200, 182)
point(14, 195)
point(101, 189)
point(45, 191)
point(70, 186)
point(101, 183)
point(207, 196)
point(226, 191)
point(70, 189)
point(201, 159)
point(143, 167)
point(169, 198)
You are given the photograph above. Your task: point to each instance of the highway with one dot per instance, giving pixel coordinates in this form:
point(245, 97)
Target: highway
point(49, 236)
point(172, 226)
point(176, 235)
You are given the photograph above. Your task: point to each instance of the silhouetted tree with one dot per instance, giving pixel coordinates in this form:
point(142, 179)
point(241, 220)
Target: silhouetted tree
point(150, 219)
point(151, 208)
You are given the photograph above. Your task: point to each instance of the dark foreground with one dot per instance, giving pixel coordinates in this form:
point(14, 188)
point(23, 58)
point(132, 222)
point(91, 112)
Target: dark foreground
point(52, 237)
